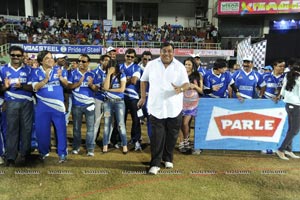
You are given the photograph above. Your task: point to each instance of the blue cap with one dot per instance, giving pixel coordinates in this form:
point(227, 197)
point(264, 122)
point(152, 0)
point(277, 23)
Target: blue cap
point(268, 67)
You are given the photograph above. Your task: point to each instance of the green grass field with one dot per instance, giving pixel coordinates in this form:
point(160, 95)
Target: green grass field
point(210, 175)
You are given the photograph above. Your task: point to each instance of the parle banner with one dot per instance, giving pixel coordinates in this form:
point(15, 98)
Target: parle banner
point(228, 124)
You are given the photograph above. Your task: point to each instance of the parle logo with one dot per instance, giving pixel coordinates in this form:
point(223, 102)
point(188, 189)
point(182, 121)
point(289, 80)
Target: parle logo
point(247, 124)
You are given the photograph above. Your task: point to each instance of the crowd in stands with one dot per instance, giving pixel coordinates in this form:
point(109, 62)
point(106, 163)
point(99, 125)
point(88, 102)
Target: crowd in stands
point(52, 30)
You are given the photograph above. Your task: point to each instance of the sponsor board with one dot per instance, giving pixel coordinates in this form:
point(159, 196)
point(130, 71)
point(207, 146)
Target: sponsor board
point(255, 124)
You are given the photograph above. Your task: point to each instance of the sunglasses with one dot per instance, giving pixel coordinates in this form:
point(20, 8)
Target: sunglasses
point(83, 61)
point(16, 55)
point(147, 59)
point(130, 57)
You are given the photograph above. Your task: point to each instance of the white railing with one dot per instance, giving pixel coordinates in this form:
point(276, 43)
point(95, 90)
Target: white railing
point(177, 45)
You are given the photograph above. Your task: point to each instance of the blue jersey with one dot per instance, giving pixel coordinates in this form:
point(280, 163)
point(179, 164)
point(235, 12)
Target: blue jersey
point(202, 71)
point(222, 80)
point(51, 94)
point(21, 75)
point(83, 95)
point(273, 85)
point(131, 91)
point(116, 84)
point(248, 82)
point(100, 74)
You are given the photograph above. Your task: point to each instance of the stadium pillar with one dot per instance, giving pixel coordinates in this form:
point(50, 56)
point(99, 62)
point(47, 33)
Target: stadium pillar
point(40, 8)
point(28, 8)
point(110, 9)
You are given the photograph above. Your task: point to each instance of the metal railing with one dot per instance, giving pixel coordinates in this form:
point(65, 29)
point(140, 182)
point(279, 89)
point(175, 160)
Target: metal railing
point(4, 50)
point(177, 45)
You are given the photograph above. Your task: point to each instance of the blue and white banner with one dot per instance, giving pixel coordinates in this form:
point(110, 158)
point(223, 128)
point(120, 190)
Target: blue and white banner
point(65, 49)
point(255, 124)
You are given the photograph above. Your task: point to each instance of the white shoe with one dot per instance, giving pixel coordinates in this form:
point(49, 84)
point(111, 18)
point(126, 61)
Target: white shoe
point(291, 154)
point(154, 170)
point(169, 165)
point(281, 155)
point(75, 151)
point(90, 153)
point(138, 146)
point(1, 160)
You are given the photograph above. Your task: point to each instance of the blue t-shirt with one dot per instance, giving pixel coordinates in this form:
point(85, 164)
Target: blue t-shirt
point(83, 95)
point(100, 74)
point(131, 91)
point(248, 82)
point(21, 75)
point(221, 80)
point(115, 83)
point(273, 85)
point(51, 94)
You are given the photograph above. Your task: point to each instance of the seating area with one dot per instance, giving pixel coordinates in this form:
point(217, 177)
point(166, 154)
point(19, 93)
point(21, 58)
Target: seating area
point(75, 32)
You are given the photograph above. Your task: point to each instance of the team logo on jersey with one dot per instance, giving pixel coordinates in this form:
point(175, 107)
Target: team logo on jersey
point(222, 79)
point(8, 74)
point(22, 74)
point(251, 77)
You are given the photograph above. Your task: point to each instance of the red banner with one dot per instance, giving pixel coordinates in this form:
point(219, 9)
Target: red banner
point(236, 7)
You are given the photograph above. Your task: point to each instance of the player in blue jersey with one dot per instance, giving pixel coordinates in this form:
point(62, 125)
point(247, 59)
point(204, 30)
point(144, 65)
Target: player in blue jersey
point(114, 87)
point(133, 74)
point(249, 83)
point(99, 95)
point(48, 81)
point(16, 79)
point(201, 69)
point(274, 81)
point(83, 84)
point(216, 81)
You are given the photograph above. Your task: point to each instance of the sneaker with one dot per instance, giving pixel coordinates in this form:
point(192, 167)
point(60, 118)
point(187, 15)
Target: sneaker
point(90, 153)
point(181, 147)
point(117, 146)
point(1, 160)
point(153, 170)
point(186, 143)
point(169, 165)
point(43, 157)
point(281, 155)
point(291, 154)
point(75, 151)
point(138, 146)
point(62, 158)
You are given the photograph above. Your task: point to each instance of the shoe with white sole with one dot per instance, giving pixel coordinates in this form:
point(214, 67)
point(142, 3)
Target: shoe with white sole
point(90, 153)
point(154, 170)
point(169, 165)
point(281, 155)
point(291, 154)
point(138, 146)
point(75, 151)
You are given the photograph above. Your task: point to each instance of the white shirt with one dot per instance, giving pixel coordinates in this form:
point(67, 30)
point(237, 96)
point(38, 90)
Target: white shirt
point(292, 97)
point(163, 102)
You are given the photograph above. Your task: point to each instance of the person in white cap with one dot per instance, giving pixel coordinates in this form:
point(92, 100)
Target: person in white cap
point(112, 52)
point(249, 81)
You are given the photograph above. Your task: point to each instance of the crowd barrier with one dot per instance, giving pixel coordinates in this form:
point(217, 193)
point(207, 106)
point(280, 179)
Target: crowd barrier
point(228, 124)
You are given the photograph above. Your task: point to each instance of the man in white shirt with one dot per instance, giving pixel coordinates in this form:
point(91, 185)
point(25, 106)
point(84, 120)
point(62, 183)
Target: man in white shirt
point(168, 79)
